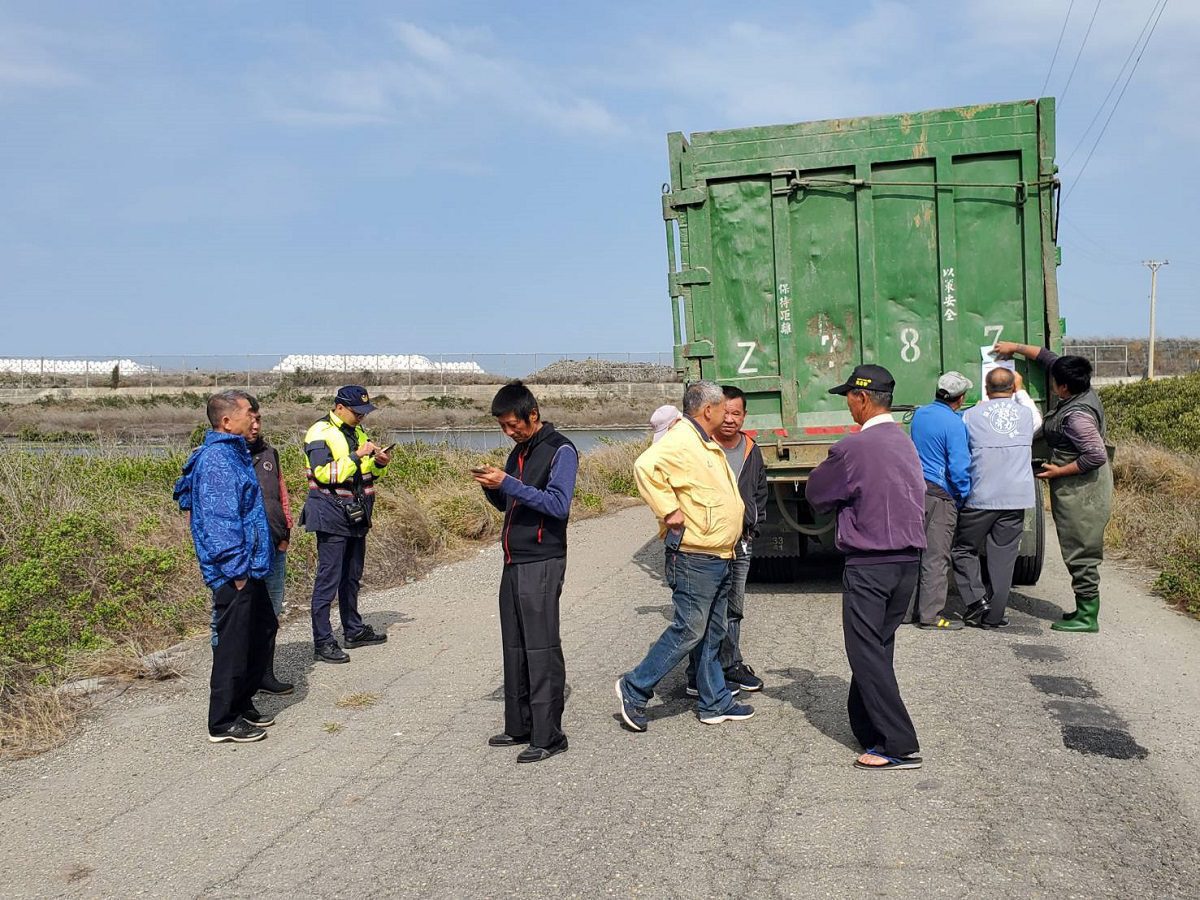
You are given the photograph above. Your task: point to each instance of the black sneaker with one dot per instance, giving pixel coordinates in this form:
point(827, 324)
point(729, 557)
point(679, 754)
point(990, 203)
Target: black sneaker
point(1003, 623)
point(241, 732)
point(364, 637)
point(975, 612)
point(331, 653)
point(941, 623)
point(272, 685)
point(743, 676)
point(254, 717)
point(537, 754)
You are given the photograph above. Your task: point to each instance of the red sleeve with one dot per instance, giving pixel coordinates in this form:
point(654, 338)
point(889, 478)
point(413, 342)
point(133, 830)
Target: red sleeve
point(284, 499)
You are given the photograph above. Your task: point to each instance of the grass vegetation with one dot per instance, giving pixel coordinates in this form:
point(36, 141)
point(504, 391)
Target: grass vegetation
point(1156, 513)
point(97, 567)
point(166, 418)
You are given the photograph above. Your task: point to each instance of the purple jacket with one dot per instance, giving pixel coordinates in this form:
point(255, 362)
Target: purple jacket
point(874, 481)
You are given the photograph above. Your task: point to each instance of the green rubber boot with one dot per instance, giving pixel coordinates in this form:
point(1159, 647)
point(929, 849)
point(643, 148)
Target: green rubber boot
point(1067, 616)
point(1086, 619)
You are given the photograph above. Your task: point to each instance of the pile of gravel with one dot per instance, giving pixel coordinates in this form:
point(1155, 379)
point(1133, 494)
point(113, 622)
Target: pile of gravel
point(602, 371)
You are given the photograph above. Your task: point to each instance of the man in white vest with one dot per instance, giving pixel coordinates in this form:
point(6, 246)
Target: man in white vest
point(1000, 433)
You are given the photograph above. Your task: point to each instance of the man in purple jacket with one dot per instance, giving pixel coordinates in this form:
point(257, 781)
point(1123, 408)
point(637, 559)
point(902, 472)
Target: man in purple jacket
point(873, 480)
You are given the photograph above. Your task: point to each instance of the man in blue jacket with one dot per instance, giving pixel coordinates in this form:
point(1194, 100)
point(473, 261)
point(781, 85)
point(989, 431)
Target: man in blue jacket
point(941, 439)
point(233, 546)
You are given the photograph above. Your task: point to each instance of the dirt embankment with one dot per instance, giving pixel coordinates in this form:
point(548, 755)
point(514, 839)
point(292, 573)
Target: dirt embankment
point(172, 418)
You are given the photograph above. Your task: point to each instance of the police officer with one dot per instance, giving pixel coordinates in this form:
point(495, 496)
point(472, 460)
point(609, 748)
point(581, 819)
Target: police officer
point(342, 467)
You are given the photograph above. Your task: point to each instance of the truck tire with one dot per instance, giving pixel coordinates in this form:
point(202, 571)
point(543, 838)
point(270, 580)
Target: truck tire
point(1033, 543)
point(774, 569)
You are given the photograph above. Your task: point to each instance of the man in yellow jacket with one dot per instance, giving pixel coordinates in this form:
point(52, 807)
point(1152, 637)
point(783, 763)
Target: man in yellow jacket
point(686, 480)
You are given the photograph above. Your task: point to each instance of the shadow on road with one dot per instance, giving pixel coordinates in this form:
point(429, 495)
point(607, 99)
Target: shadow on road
point(650, 558)
point(294, 660)
point(1035, 607)
point(821, 698)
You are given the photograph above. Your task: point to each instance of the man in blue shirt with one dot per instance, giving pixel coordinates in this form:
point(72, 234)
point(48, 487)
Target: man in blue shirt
point(941, 440)
point(220, 492)
point(534, 491)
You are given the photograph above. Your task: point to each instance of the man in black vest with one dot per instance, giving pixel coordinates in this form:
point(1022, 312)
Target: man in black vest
point(535, 492)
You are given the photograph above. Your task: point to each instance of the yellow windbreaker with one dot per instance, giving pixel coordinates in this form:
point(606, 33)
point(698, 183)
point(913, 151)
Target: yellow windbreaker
point(686, 472)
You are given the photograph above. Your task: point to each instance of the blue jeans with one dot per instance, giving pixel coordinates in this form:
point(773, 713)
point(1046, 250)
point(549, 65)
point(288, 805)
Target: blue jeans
point(739, 571)
point(730, 653)
point(275, 579)
point(700, 585)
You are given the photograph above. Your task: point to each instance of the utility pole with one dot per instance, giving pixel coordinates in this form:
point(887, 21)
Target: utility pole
point(1153, 265)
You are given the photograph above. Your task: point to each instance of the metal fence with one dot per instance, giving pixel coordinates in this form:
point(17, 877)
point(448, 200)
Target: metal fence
point(317, 370)
point(1108, 360)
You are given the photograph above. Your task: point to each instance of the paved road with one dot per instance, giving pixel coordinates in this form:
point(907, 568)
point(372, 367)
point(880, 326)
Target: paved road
point(403, 798)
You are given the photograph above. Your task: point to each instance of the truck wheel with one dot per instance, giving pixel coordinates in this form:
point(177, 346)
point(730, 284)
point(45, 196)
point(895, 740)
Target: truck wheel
point(1033, 542)
point(774, 569)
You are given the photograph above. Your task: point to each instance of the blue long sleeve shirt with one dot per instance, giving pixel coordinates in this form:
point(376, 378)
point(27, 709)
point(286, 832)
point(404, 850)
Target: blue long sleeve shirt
point(555, 500)
point(940, 436)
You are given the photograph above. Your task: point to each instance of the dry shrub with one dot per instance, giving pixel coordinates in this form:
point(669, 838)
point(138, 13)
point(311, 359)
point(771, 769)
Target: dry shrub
point(606, 478)
point(129, 659)
point(1156, 517)
point(33, 719)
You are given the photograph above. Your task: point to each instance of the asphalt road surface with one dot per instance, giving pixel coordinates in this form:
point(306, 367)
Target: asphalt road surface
point(1056, 765)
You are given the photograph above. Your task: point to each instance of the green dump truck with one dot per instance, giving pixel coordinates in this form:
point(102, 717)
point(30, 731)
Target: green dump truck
point(796, 252)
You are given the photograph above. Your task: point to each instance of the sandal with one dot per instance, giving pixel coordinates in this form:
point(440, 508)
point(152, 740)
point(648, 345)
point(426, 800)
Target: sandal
point(908, 761)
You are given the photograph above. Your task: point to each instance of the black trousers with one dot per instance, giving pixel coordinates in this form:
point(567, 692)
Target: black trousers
point(874, 600)
point(535, 674)
point(339, 571)
point(243, 625)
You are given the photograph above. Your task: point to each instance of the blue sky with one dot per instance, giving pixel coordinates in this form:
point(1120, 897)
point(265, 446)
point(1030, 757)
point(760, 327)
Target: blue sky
point(472, 176)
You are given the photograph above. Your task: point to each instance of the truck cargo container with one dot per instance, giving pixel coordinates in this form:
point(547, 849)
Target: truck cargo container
point(796, 252)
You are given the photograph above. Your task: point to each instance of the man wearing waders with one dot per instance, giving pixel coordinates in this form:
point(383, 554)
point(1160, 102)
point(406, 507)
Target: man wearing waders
point(1080, 478)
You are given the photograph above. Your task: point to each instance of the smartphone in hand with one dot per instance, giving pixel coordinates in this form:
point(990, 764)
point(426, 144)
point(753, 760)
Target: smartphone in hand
point(479, 470)
point(674, 538)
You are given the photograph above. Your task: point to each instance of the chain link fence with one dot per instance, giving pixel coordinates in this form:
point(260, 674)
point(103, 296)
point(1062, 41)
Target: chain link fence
point(326, 370)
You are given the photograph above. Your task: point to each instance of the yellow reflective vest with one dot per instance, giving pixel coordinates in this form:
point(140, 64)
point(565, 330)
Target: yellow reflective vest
point(335, 474)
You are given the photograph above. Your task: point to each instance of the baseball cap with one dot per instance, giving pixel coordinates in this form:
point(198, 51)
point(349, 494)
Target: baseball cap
point(953, 385)
point(355, 397)
point(663, 418)
point(867, 378)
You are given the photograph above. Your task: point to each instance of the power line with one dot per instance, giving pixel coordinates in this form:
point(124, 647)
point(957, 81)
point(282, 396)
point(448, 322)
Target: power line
point(1120, 72)
point(1054, 58)
point(1075, 65)
point(1113, 111)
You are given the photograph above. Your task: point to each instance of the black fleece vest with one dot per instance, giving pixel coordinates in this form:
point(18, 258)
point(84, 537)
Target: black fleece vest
point(529, 536)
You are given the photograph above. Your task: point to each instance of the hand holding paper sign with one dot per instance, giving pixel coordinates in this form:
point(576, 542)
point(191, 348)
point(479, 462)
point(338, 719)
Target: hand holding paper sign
point(989, 355)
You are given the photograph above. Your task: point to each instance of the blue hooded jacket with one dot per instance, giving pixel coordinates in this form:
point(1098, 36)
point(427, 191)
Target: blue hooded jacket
point(229, 522)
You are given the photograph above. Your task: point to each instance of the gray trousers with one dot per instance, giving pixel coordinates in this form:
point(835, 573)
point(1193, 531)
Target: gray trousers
point(999, 531)
point(941, 516)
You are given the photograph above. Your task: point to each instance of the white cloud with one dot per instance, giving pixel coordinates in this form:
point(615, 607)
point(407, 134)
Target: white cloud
point(423, 76)
point(794, 69)
point(29, 61)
